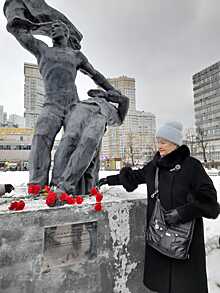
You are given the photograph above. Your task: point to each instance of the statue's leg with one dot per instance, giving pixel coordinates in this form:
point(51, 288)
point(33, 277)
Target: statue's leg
point(84, 153)
point(91, 174)
point(73, 127)
point(47, 127)
point(63, 153)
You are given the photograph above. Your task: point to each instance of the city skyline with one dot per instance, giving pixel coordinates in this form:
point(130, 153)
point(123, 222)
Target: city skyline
point(160, 44)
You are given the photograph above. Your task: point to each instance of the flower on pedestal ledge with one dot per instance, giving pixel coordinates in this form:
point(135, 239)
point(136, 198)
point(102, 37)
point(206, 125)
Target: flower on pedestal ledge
point(17, 205)
point(65, 198)
point(51, 199)
point(34, 189)
point(98, 207)
point(79, 199)
point(94, 191)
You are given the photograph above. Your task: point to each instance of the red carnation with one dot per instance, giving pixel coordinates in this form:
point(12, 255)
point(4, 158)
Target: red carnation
point(30, 188)
point(51, 199)
point(52, 193)
point(20, 205)
point(99, 197)
point(64, 196)
point(79, 199)
point(17, 205)
point(47, 188)
point(98, 207)
point(94, 191)
point(70, 200)
point(37, 189)
point(13, 206)
point(34, 189)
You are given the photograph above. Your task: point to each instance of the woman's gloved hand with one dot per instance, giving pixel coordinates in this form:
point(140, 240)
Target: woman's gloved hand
point(9, 188)
point(172, 217)
point(102, 181)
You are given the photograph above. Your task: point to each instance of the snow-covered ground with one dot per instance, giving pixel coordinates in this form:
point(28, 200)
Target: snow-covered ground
point(212, 227)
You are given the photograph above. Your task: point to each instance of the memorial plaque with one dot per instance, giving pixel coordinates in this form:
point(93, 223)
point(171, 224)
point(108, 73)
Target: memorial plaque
point(68, 244)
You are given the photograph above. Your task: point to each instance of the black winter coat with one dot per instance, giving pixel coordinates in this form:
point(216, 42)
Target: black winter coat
point(190, 190)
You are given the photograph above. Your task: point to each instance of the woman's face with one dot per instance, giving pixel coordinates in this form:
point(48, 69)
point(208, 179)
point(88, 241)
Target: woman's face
point(165, 147)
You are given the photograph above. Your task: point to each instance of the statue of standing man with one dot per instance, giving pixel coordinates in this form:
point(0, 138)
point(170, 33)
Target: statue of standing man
point(58, 66)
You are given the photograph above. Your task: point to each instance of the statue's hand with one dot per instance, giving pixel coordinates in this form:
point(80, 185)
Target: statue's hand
point(97, 93)
point(114, 93)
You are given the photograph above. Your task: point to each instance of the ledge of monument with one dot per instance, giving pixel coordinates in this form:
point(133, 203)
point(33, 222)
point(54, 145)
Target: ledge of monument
point(114, 194)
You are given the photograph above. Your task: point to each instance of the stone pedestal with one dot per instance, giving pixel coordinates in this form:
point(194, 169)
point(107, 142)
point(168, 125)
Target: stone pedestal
point(74, 249)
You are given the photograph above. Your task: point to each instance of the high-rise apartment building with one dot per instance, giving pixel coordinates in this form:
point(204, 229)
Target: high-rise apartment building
point(1, 114)
point(206, 88)
point(5, 118)
point(34, 94)
point(134, 139)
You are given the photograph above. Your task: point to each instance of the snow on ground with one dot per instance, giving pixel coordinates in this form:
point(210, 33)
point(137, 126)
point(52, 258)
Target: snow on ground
point(212, 227)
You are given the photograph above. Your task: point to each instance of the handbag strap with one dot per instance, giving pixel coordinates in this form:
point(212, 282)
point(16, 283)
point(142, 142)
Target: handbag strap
point(156, 184)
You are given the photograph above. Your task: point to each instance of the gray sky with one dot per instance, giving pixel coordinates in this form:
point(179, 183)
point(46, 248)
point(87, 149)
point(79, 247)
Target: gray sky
point(161, 43)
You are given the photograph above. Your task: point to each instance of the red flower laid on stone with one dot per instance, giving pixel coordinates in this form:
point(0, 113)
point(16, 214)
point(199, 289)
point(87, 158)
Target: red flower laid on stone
point(34, 189)
point(79, 199)
point(51, 199)
point(13, 206)
point(47, 188)
point(17, 206)
point(98, 207)
point(70, 200)
point(99, 197)
point(94, 190)
point(20, 205)
point(64, 196)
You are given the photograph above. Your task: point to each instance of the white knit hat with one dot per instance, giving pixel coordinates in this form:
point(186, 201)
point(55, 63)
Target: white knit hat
point(172, 131)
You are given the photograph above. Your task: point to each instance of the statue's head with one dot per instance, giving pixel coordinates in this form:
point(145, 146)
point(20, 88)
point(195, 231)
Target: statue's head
point(59, 30)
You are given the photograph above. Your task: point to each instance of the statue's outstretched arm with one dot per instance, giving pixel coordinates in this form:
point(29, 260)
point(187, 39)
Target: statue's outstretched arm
point(123, 103)
point(26, 39)
point(86, 68)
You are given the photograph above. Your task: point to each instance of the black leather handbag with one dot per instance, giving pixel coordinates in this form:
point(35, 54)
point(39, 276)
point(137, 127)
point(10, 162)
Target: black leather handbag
point(171, 240)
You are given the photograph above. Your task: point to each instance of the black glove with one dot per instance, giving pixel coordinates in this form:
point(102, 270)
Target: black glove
point(172, 217)
point(9, 188)
point(102, 181)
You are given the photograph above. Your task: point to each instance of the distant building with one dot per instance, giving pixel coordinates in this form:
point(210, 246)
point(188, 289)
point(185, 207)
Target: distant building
point(134, 140)
point(206, 89)
point(15, 145)
point(34, 94)
point(5, 118)
point(1, 114)
point(16, 120)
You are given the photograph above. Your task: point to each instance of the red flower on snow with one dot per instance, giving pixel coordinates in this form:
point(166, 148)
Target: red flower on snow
point(17, 206)
point(64, 196)
point(99, 197)
point(94, 190)
point(47, 188)
point(98, 207)
point(51, 199)
point(79, 199)
point(34, 189)
point(70, 200)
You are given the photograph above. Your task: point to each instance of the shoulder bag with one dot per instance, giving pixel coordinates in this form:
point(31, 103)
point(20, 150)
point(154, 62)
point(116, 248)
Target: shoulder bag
point(171, 240)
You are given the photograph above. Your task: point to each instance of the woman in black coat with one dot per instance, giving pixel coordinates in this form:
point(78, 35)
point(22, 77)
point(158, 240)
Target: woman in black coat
point(187, 192)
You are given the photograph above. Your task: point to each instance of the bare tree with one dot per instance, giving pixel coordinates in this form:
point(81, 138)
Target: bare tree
point(191, 140)
point(130, 149)
point(202, 141)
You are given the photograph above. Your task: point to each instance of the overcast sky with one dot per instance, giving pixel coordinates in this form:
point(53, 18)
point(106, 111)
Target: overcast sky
point(161, 43)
